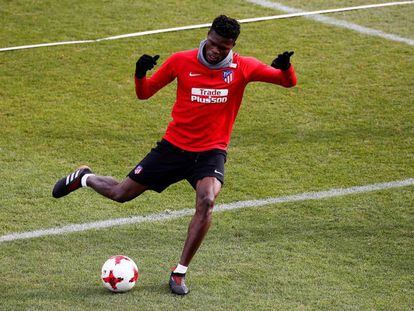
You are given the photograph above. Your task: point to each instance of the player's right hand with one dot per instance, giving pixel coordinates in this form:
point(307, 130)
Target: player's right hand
point(145, 63)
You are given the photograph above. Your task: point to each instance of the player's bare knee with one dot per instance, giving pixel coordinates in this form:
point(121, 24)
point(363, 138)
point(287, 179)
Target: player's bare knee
point(119, 196)
point(122, 199)
point(205, 205)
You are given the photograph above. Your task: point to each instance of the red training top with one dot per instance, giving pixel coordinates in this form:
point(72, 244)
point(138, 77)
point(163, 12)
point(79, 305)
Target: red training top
point(207, 100)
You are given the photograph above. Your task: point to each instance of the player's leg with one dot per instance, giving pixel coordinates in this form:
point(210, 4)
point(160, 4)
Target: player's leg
point(123, 191)
point(161, 167)
point(207, 190)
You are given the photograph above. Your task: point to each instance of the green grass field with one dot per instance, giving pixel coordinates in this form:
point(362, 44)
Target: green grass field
point(349, 122)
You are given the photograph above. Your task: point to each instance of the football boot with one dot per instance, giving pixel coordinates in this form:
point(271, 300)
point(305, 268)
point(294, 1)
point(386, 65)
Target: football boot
point(70, 183)
point(177, 284)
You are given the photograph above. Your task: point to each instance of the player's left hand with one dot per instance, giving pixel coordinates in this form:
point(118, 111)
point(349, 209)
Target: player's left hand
point(282, 61)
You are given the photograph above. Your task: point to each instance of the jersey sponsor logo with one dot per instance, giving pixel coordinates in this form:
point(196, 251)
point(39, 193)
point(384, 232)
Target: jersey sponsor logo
point(209, 96)
point(228, 76)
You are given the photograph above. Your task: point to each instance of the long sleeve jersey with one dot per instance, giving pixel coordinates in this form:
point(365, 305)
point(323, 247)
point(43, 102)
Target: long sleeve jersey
point(207, 100)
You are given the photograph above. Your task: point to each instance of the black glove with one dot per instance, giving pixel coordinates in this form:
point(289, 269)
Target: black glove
point(282, 61)
point(145, 63)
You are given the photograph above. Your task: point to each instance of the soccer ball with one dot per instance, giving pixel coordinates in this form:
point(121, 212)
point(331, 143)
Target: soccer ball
point(119, 274)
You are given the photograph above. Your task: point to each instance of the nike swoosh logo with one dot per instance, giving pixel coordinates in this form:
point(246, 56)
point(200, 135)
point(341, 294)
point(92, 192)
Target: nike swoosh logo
point(195, 74)
point(217, 172)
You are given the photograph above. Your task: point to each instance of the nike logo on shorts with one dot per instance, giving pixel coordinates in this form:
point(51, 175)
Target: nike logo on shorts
point(217, 172)
point(194, 74)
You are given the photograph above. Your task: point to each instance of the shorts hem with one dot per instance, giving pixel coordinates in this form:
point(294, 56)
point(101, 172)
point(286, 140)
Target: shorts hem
point(193, 182)
point(150, 187)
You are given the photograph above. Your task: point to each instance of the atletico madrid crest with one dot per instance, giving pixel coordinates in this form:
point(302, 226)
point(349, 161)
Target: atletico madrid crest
point(228, 76)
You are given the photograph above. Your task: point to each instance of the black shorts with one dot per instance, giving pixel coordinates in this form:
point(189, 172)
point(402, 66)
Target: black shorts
point(167, 164)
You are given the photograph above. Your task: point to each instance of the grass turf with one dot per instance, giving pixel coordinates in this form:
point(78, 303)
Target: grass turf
point(353, 252)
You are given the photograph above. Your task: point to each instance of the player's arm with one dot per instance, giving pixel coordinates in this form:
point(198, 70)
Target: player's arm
point(146, 87)
point(280, 72)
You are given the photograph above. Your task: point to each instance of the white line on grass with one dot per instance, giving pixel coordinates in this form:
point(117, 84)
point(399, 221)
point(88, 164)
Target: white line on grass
point(338, 22)
point(294, 13)
point(219, 208)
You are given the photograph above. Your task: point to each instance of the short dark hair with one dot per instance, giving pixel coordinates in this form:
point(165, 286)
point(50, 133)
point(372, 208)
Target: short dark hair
point(226, 27)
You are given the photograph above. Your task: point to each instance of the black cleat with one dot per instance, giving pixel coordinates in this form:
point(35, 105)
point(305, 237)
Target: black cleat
point(70, 183)
point(177, 284)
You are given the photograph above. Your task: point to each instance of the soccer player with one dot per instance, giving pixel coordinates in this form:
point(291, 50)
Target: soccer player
point(211, 81)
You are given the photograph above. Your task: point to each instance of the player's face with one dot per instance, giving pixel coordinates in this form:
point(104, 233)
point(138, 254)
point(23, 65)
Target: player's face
point(217, 47)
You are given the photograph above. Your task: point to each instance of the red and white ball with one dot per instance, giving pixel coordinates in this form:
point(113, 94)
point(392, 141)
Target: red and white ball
point(119, 274)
